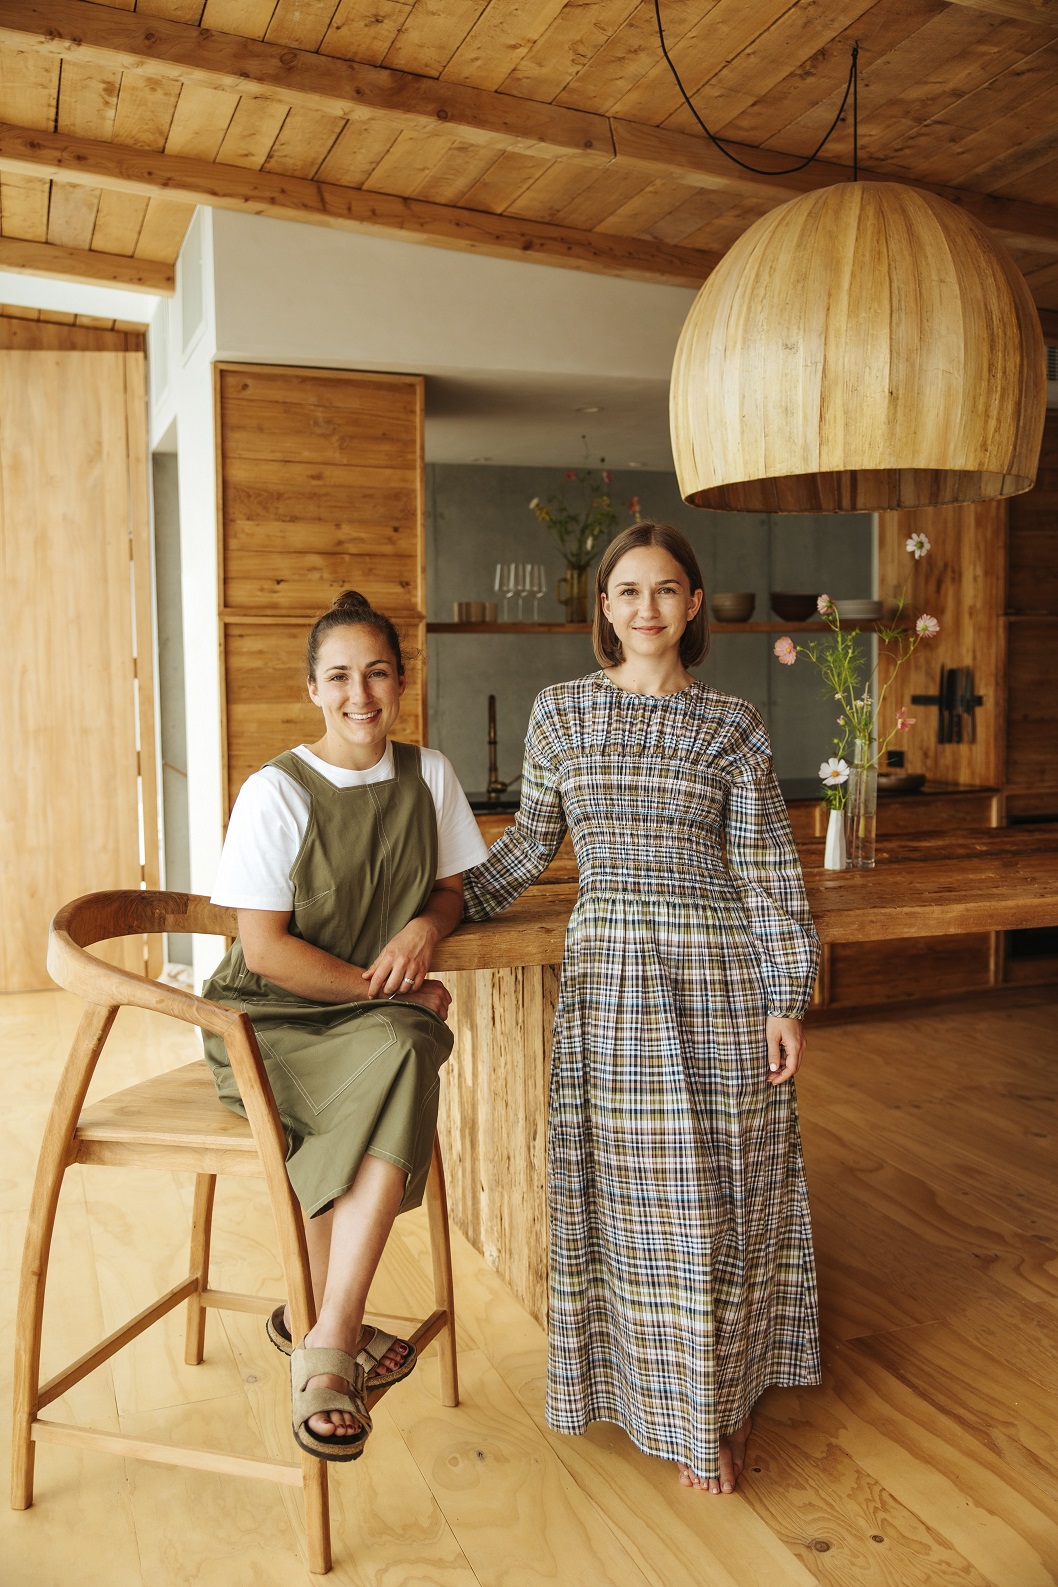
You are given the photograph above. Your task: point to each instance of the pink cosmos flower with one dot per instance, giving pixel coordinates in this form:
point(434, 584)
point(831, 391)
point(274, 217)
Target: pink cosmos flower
point(904, 722)
point(927, 627)
point(571, 473)
point(824, 605)
point(785, 650)
point(607, 477)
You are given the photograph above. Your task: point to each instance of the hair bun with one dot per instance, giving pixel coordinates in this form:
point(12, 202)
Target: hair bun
point(351, 601)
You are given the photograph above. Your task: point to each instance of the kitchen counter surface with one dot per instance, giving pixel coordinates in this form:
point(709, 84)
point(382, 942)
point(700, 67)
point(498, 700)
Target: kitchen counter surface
point(996, 879)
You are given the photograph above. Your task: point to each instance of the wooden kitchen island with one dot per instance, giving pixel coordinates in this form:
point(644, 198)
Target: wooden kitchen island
point(504, 977)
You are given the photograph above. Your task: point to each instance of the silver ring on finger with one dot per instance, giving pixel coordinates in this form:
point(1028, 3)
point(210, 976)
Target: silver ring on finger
point(409, 980)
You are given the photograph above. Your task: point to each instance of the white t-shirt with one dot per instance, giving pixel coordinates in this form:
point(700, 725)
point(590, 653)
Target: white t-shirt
point(271, 816)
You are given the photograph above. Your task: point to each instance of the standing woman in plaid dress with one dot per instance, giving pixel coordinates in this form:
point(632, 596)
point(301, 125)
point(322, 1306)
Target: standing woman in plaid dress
point(682, 1278)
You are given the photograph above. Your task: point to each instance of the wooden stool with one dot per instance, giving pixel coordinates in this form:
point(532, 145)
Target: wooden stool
point(176, 1122)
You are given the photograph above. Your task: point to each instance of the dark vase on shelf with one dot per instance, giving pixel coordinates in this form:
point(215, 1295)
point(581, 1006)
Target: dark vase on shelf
point(572, 592)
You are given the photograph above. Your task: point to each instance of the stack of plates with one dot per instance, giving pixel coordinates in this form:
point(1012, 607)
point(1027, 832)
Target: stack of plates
point(859, 611)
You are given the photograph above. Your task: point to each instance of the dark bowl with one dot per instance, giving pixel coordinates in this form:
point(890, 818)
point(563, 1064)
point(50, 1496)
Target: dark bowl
point(793, 608)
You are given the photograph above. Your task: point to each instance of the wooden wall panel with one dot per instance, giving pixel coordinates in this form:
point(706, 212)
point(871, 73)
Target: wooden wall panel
point(320, 483)
point(1032, 578)
point(1032, 710)
point(72, 434)
point(961, 584)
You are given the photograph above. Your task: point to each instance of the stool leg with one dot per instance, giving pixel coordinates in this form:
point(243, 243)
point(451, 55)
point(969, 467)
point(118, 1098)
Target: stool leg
point(92, 1033)
point(317, 1514)
point(201, 1232)
point(444, 1291)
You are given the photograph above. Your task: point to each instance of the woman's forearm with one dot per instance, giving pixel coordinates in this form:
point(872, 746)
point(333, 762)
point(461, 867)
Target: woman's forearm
point(307, 971)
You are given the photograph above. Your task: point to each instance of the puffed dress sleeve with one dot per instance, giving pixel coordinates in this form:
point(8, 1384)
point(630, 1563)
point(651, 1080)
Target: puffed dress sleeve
point(763, 862)
point(526, 848)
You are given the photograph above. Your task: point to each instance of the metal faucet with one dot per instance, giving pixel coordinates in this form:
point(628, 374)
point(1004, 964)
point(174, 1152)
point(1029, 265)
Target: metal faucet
point(494, 788)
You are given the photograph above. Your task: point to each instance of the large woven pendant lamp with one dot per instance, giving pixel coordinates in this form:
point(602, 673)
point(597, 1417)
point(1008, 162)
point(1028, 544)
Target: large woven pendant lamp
point(865, 346)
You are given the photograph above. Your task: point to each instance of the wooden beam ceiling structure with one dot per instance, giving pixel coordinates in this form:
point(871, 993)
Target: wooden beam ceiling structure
point(557, 136)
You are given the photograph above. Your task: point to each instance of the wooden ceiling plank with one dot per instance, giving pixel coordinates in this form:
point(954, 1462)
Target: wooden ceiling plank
point(408, 162)
point(72, 214)
point(1041, 179)
point(356, 152)
point(88, 99)
point(248, 18)
point(633, 218)
point(714, 47)
point(821, 79)
point(499, 39)
point(305, 139)
point(690, 217)
point(631, 51)
point(364, 33)
point(431, 33)
point(721, 231)
point(24, 207)
point(252, 131)
point(189, 182)
point(118, 223)
point(145, 110)
point(163, 231)
point(301, 24)
point(951, 56)
point(188, 11)
point(1038, 11)
point(29, 88)
point(566, 48)
point(983, 123)
point(554, 188)
point(608, 192)
point(463, 165)
point(1021, 166)
point(287, 76)
point(200, 121)
point(502, 184)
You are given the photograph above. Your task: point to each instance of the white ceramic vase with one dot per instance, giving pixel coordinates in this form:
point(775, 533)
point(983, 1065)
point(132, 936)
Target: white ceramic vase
point(834, 852)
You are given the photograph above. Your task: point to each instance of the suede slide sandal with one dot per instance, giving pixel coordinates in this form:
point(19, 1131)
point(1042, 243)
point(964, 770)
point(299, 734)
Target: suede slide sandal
point(368, 1356)
point(313, 1362)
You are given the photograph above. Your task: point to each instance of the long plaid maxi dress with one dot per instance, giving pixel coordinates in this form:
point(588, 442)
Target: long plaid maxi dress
point(682, 1280)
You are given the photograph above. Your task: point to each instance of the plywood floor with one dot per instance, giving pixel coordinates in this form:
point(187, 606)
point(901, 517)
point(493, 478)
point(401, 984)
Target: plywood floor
point(929, 1458)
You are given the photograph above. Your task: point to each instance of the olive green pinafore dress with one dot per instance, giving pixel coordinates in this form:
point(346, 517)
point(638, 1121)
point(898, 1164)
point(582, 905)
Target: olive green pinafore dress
point(360, 1077)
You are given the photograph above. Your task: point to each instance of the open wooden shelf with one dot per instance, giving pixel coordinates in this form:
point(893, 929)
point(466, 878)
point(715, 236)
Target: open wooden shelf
point(585, 628)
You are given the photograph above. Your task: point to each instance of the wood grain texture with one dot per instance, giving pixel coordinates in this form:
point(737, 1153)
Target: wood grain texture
point(795, 387)
point(320, 489)
point(929, 1433)
point(85, 264)
point(960, 582)
point(70, 501)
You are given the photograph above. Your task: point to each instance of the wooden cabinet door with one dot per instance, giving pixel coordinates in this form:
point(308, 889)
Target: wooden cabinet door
point(76, 724)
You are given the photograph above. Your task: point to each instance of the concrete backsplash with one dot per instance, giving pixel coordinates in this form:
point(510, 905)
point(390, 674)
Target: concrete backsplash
point(479, 515)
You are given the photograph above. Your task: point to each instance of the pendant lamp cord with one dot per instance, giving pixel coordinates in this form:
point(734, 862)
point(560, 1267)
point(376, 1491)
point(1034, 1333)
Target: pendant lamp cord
point(851, 86)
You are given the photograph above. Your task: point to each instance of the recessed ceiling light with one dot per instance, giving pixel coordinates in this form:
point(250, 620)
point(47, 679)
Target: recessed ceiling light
point(587, 410)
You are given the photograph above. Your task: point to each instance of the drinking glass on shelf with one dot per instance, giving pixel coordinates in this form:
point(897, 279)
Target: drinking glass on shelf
point(505, 584)
point(522, 578)
point(537, 587)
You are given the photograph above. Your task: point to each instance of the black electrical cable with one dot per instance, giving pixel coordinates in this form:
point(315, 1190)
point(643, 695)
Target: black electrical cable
point(852, 86)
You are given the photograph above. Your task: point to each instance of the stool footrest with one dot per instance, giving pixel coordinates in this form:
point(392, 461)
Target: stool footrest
point(129, 1448)
point(58, 1385)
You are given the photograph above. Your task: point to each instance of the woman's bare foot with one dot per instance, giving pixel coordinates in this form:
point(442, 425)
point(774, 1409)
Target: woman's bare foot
point(732, 1460)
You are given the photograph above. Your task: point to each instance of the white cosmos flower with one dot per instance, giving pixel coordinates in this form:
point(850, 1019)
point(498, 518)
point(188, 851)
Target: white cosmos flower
point(834, 772)
point(918, 545)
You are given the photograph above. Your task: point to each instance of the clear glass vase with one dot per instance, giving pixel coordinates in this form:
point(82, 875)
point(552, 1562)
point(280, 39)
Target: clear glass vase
point(861, 809)
point(573, 593)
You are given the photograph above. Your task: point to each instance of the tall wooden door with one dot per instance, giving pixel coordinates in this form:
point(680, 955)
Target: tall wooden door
point(78, 804)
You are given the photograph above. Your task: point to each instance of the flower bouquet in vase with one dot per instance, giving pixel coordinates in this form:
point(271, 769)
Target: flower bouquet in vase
point(850, 776)
point(581, 519)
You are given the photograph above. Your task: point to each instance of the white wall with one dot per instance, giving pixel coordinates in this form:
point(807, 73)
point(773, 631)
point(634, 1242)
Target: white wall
point(295, 294)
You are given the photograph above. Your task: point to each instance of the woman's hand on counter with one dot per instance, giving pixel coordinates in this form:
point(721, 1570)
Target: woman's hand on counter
point(786, 1045)
point(404, 962)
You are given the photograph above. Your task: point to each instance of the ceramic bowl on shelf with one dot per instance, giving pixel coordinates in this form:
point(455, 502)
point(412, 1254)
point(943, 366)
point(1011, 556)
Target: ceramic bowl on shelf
point(729, 608)
point(859, 611)
point(793, 608)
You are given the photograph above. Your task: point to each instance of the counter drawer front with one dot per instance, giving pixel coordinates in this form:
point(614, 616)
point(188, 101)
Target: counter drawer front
point(863, 973)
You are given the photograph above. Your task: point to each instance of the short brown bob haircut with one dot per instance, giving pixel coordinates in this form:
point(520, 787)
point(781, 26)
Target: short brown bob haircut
point(694, 646)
